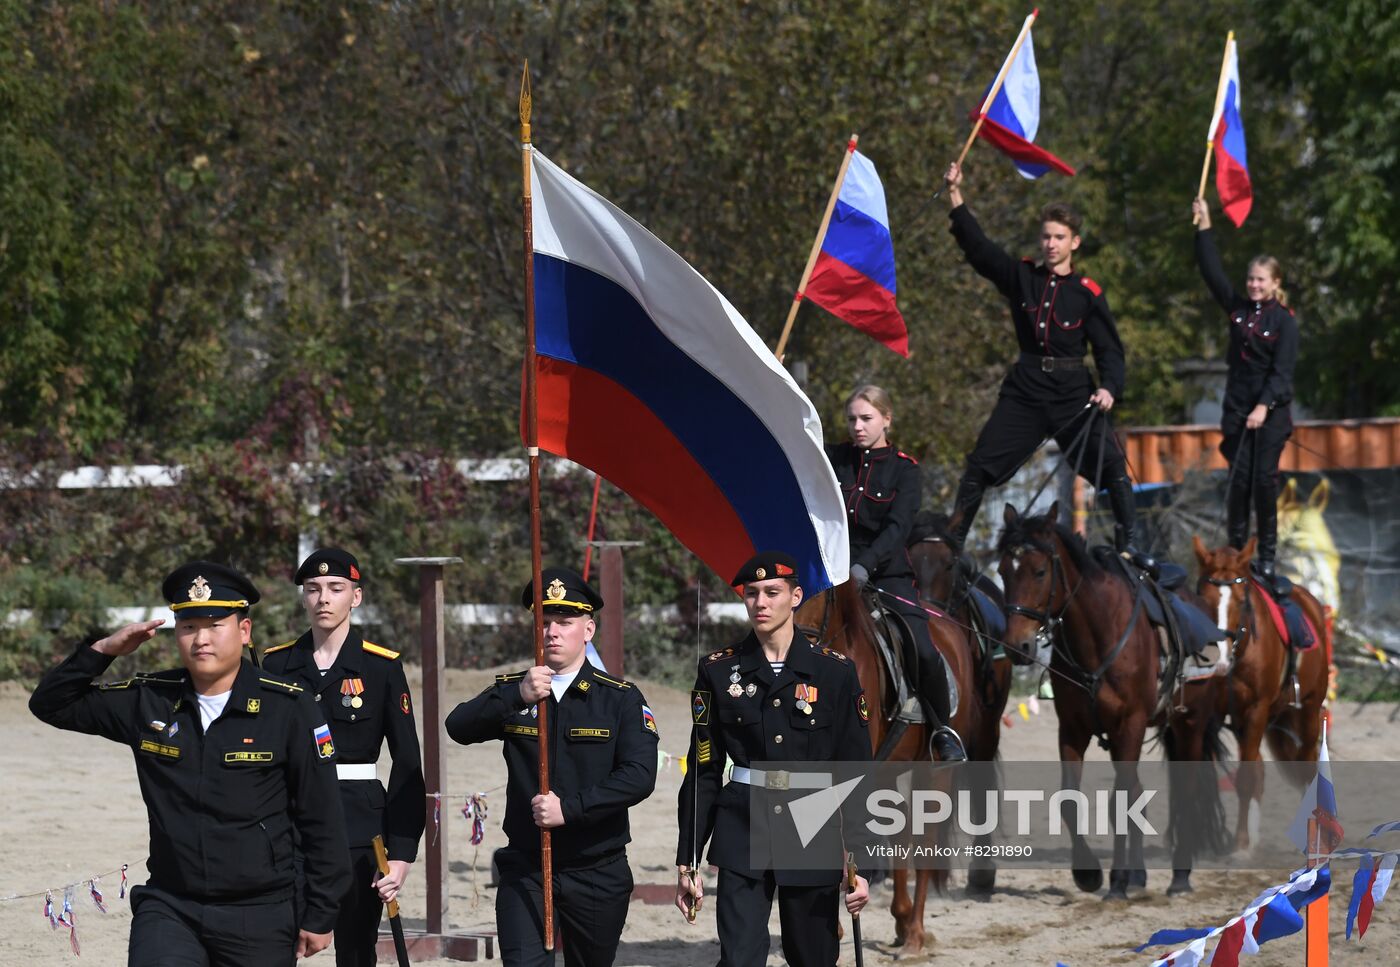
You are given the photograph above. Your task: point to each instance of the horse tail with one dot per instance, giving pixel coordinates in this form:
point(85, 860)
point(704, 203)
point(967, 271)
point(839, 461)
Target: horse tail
point(1198, 825)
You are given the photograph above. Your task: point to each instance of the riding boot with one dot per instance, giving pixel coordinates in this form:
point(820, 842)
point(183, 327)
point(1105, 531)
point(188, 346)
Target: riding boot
point(934, 686)
point(965, 504)
point(1120, 501)
point(1266, 511)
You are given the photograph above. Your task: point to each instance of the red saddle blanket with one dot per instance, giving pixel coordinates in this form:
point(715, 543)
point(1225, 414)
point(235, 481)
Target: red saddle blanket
point(1309, 632)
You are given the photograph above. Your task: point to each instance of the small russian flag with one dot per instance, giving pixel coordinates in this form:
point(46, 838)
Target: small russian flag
point(1013, 118)
point(1226, 134)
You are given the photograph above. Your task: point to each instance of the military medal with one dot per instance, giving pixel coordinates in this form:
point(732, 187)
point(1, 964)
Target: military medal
point(734, 677)
point(806, 695)
point(350, 690)
point(736, 690)
point(356, 702)
point(751, 690)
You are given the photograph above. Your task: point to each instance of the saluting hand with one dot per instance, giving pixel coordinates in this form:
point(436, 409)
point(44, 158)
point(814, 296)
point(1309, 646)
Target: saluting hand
point(535, 685)
point(688, 885)
point(547, 811)
point(128, 639)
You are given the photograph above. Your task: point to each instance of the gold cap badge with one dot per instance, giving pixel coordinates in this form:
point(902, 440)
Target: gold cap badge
point(760, 574)
point(323, 568)
point(200, 590)
point(555, 591)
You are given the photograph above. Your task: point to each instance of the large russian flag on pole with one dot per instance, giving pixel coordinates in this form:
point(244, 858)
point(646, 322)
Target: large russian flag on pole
point(1012, 119)
point(1227, 136)
point(649, 377)
point(854, 275)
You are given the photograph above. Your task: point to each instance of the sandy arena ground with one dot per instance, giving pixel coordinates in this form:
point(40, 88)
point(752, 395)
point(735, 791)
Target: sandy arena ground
point(73, 809)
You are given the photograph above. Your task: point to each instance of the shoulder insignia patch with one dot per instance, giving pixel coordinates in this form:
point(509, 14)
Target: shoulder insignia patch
point(834, 654)
point(609, 680)
point(716, 656)
point(512, 677)
point(282, 647)
point(700, 707)
point(379, 650)
point(906, 456)
point(1028, 260)
point(1091, 285)
point(275, 684)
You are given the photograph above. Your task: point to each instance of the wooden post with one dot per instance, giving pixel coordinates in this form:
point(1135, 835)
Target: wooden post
point(609, 640)
point(816, 247)
point(1215, 118)
point(996, 85)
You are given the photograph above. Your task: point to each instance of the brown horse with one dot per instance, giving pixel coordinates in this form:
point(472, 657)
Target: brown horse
point(1258, 701)
point(1104, 653)
point(842, 620)
point(936, 572)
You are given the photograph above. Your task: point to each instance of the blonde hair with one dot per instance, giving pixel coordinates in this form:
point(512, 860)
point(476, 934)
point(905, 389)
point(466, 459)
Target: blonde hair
point(873, 395)
point(1271, 265)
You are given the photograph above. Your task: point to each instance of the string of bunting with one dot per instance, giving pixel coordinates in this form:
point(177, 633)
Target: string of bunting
point(66, 916)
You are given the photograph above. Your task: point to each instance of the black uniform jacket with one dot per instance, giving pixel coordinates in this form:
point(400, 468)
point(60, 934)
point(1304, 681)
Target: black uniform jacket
point(386, 712)
point(1263, 339)
point(602, 760)
point(1054, 315)
point(882, 492)
point(764, 724)
point(222, 804)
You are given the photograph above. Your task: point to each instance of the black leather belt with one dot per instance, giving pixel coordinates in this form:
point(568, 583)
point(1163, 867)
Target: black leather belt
point(1048, 364)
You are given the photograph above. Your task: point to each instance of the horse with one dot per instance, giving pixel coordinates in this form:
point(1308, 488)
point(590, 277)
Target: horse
point(1258, 701)
point(939, 578)
point(1104, 651)
point(841, 618)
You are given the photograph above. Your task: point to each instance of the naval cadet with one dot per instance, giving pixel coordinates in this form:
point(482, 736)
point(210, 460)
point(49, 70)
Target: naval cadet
point(602, 761)
point(776, 696)
point(364, 694)
point(234, 764)
point(1059, 315)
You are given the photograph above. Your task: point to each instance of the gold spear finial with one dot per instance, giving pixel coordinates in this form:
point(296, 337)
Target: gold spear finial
point(525, 104)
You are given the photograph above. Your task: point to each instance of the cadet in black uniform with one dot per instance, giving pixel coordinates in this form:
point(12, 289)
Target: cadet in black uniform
point(362, 690)
point(883, 490)
point(773, 697)
point(602, 761)
point(1058, 315)
point(1262, 353)
point(232, 762)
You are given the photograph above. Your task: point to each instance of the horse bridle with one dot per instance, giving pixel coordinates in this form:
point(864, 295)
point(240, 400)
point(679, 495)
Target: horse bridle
point(1047, 623)
point(1246, 609)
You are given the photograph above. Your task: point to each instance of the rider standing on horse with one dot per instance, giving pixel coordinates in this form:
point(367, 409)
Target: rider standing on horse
point(882, 490)
point(1059, 315)
point(1262, 352)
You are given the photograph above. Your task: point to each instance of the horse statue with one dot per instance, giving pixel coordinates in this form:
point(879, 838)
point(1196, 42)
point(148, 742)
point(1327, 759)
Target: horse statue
point(978, 622)
point(841, 618)
point(1307, 552)
point(1273, 693)
point(1104, 652)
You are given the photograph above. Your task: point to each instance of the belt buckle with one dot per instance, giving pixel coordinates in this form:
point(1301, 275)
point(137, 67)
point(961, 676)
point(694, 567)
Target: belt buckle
point(776, 779)
point(1047, 364)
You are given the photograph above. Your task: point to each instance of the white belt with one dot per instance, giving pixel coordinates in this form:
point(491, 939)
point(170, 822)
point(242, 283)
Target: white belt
point(356, 770)
point(781, 779)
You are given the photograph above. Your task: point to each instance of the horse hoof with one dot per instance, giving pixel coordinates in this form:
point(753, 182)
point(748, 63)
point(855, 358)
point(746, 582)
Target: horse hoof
point(1089, 881)
point(1138, 878)
point(1116, 893)
point(1180, 889)
point(981, 880)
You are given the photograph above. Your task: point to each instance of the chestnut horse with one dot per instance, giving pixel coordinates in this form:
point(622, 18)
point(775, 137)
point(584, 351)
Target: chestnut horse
point(1104, 653)
point(841, 618)
point(1258, 700)
point(940, 582)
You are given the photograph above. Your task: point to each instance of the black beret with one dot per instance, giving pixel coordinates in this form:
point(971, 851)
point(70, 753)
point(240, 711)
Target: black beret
point(565, 592)
point(203, 589)
point(766, 566)
point(329, 562)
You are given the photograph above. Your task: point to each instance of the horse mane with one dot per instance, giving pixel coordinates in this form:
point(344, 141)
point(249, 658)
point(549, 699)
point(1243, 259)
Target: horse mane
point(928, 524)
point(1039, 532)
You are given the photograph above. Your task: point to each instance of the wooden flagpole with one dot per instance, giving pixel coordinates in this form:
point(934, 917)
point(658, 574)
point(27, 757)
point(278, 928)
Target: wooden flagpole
point(532, 449)
point(996, 85)
point(816, 247)
point(1214, 119)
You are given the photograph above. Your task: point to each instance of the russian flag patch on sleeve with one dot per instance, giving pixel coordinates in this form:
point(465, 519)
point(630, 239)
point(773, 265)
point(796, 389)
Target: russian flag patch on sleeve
point(324, 747)
point(649, 721)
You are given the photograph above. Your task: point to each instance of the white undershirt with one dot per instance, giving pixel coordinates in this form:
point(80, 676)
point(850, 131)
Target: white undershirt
point(211, 707)
point(559, 684)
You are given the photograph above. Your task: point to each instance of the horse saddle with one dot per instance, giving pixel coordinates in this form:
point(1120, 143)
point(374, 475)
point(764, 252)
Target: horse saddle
point(1292, 624)
point(989, 620)
point(895, 640)
point(1179, 623)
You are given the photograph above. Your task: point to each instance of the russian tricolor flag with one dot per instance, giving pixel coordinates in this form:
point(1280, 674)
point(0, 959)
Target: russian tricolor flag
point(1226, 134)
point(1012, 120)
point(648, 376)
point(854, 275)
point(1369, 888)
point(1320, 804)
